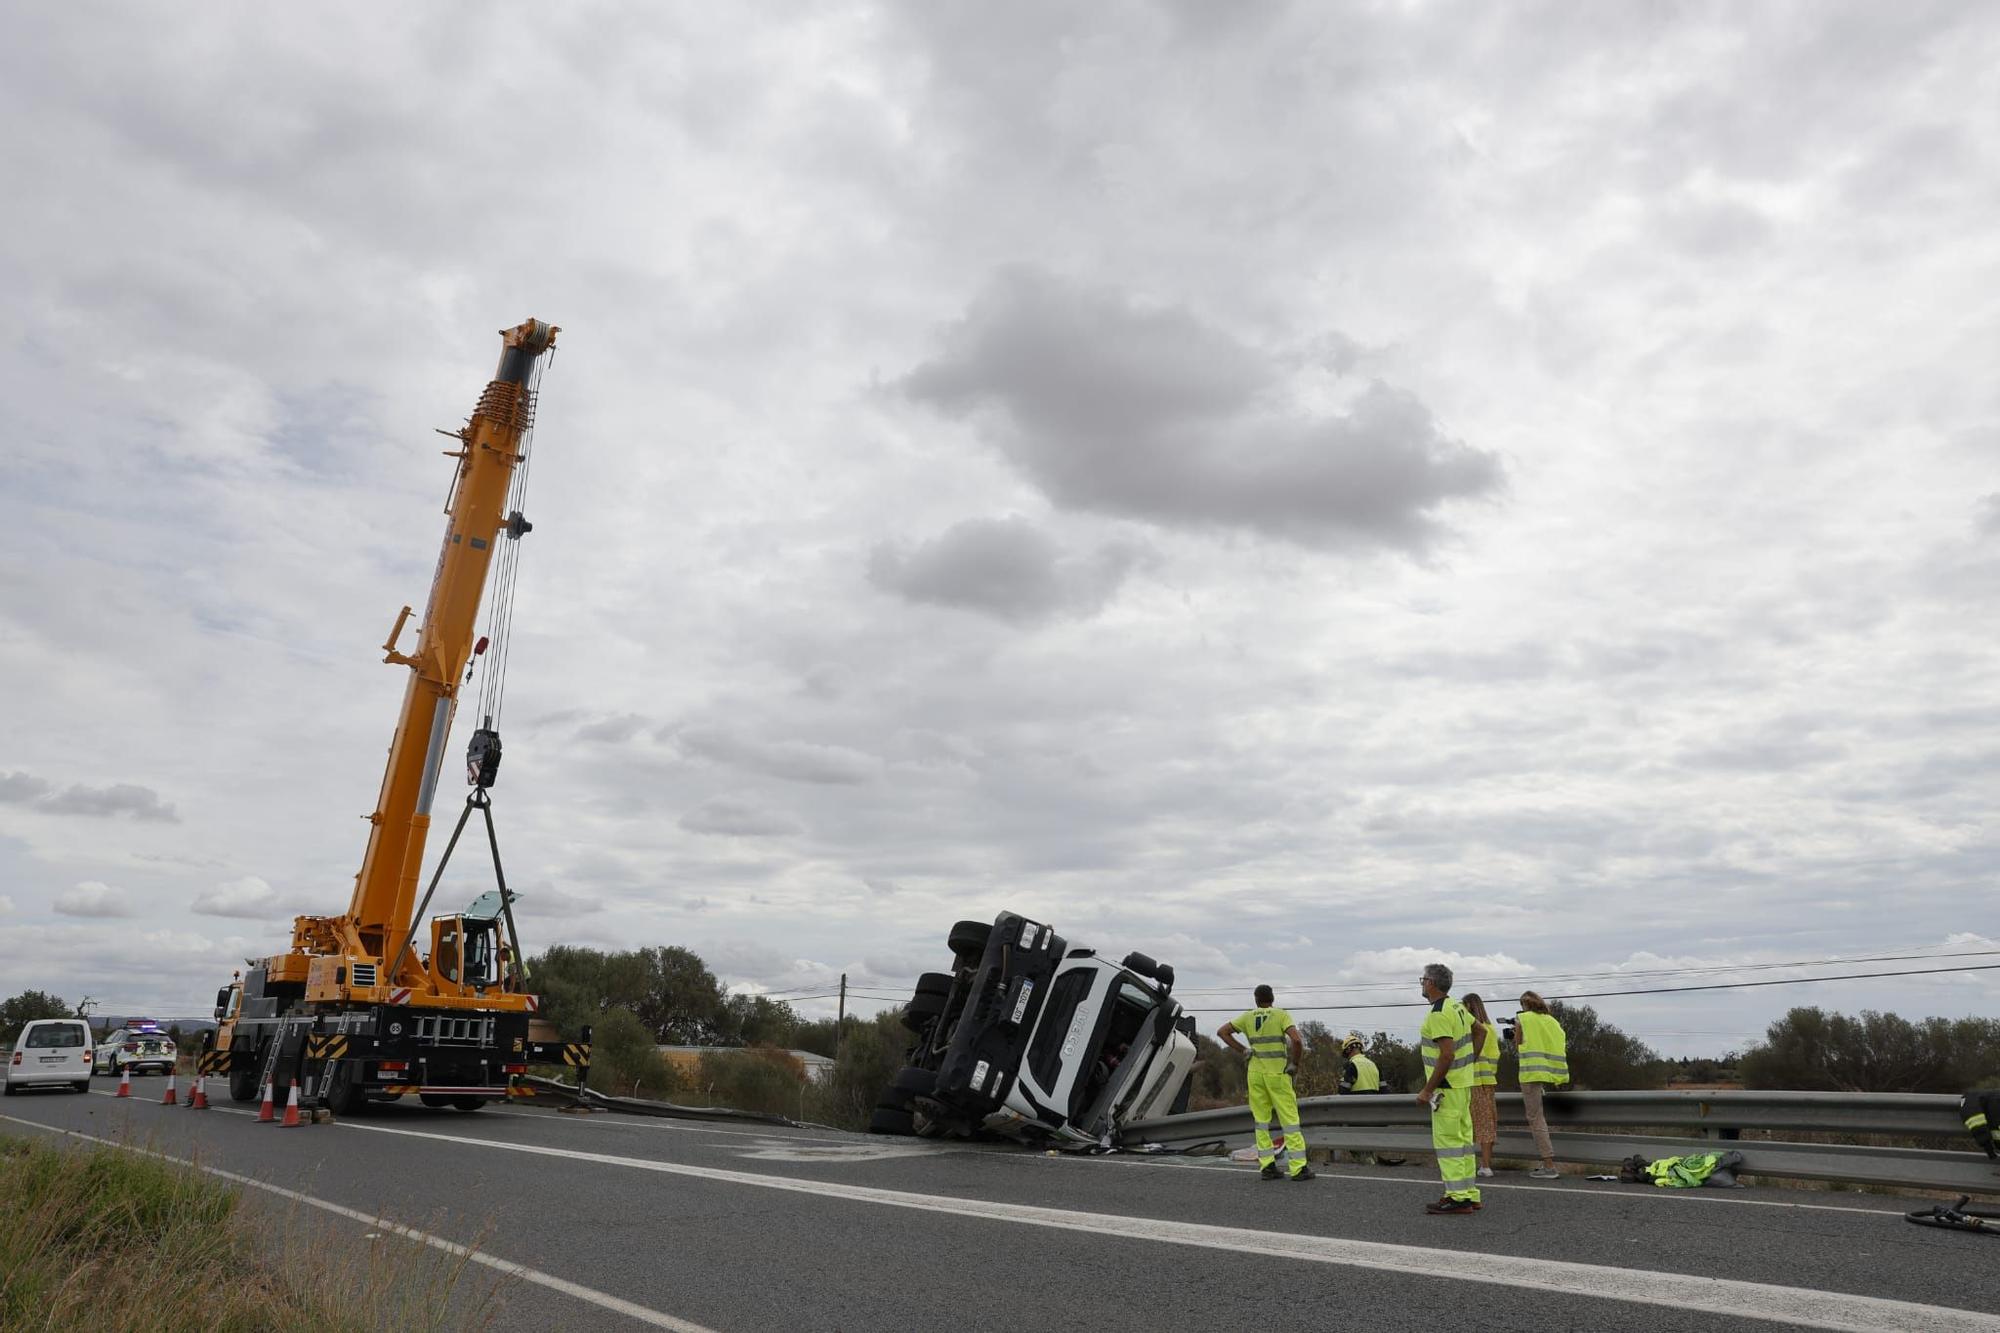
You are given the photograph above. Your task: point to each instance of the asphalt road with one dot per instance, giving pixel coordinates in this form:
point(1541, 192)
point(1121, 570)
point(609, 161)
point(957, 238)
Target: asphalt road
point(625, 1223)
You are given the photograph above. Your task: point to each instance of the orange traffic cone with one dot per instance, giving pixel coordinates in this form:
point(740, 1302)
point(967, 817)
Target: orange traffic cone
point(170, 1099)
point(267, 1113)
point(125, 1084)
point(291, 1120)
point(199, 1101)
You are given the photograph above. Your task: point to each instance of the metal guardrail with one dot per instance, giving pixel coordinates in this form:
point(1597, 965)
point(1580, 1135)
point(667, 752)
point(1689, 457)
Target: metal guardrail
point(1579, 1123)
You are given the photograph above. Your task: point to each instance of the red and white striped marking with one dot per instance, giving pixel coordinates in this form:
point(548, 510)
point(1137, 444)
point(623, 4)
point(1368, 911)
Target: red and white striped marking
point(534, 1004)
point(400, 995)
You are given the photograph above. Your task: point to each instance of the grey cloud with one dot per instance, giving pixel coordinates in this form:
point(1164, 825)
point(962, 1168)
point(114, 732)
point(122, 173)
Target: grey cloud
point(729, 818)
point(616, 730)
point(1003, 567)
point(1147, 412)
point(249, 898)
point(1716, 228)
point(542, 900)
point(793, 761)
point(93, 899)
point(1987, 521)
point(120, 798)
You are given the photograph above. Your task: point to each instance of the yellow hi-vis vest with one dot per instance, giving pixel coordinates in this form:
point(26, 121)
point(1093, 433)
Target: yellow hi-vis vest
point(1367, 1078)
point(1543, 1049)
point(1448, 1018)
point(1264, 1029)
point(1486, 1067)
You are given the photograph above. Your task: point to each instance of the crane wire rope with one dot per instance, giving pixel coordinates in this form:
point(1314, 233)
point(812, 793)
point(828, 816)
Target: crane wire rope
point(500, 610)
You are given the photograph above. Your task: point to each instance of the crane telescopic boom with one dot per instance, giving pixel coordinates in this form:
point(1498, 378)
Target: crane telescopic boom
point(346, 957)
point(354, 1012)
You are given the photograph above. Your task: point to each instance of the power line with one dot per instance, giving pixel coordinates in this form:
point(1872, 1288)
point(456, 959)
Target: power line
point(1707, 969)
point(1662, 990)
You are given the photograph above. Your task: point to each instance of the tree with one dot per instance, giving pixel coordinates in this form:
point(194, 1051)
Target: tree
point(1812, 1050)
point(1219, 1077)
point(1600, 1055)
point(23, 1009)
point(668, 989)
point(872, 1050)
point(625, 1061)
point(756, 1020)
point(1398, 1062)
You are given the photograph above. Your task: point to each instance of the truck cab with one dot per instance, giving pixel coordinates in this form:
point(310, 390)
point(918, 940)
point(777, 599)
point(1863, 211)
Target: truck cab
point(1031, 1038)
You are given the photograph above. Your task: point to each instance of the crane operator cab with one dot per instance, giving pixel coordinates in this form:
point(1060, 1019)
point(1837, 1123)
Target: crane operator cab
point(465, 954)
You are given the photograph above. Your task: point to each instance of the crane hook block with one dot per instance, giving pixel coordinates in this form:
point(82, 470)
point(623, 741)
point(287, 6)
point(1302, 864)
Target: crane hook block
point(518, 525)
point(482, 758)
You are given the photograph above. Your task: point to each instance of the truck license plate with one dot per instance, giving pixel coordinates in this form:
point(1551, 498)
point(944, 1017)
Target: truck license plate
point(1021, 999)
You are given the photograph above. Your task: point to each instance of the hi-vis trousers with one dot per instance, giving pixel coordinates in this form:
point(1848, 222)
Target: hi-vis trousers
point(1451, 1137)
point(1271, 1090)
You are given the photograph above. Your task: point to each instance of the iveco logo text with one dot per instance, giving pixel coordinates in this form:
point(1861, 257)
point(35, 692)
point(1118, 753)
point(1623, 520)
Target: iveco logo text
point(1028, 932)
point(1076, 1026)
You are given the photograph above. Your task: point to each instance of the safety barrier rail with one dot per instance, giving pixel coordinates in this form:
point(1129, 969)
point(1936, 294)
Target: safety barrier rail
point(1394, 1122)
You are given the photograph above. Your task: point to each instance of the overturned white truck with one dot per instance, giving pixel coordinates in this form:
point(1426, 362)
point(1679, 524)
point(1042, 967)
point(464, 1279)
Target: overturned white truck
point(1034, 1039)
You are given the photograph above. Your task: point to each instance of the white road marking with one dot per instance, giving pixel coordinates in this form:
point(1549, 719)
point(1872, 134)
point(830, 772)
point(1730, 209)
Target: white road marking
point(642, 1122)
point(602, 1299)
point(1679, 1291)
point(784, 1150)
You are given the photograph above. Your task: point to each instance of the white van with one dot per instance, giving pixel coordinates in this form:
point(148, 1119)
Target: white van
point(49, 1050)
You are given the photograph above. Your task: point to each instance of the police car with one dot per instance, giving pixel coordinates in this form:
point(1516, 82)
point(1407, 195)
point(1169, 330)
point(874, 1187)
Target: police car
point(142, 1046)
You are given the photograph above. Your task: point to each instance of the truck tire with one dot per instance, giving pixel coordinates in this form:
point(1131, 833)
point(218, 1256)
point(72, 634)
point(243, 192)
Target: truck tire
point(968, 939)
point(934, 983)
point(436, 1101)
point(469, 1103)
point(885, 1120)
point(1142, 964)
point(919, 1012)
point(912, 1081)
point(344, 1094)
point(243, 1082)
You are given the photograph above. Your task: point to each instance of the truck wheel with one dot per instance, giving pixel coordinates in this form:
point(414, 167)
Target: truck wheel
point(968, 939)
point(344, 1094)
point(437, 1101)
point(919, 1012)
point(885, 1120)
point(243, 1083)
point(912, 1081)
point(469, 1103)
point(934, 983)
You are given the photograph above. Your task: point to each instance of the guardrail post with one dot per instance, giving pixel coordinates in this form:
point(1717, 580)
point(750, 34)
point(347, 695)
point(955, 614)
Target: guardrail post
point(583, 1070)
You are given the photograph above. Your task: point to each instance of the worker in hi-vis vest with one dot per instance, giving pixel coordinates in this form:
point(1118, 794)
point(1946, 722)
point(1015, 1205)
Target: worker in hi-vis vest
point(1358, 1073)
point(1275, 1050)
point(1448, 1061)
point(1543, 1050)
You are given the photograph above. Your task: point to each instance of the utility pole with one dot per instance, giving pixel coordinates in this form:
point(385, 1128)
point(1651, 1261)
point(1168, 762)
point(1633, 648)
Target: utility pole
point(840, 1023)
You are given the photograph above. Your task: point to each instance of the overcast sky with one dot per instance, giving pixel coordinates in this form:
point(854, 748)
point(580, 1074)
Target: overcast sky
point(1299, 490)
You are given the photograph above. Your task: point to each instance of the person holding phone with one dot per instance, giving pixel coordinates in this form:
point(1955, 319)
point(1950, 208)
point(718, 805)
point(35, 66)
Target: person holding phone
point(1446, 1044)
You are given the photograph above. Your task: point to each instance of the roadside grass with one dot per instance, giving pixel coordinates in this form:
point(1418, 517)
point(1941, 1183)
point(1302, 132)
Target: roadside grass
point(106, 1238)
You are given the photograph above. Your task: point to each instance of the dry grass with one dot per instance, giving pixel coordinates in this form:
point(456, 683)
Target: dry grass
point(105, 1238)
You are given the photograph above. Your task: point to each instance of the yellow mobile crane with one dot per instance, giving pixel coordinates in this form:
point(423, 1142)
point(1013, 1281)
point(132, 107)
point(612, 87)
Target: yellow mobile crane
point(357, 1008)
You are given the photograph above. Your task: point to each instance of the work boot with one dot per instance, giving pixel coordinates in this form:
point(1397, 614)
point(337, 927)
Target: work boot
point(1304, 1173)
point(1270, 1172)
point(1450, 1207)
